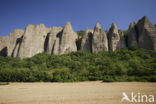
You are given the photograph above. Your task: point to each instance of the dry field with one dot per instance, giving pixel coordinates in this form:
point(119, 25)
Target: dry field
point(71, 93)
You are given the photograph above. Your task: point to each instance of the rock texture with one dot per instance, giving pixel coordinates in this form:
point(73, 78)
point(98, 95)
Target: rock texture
point(57, 40)
point(86, 43)
point(15, 40)
point(132, 35)
point(3, 45)
point(68, 40)
point(55, 31)
point(113, 37)
point(56, 50)
point(146, 34)
point(122, 42)
point(99, 41)
point(33, 40)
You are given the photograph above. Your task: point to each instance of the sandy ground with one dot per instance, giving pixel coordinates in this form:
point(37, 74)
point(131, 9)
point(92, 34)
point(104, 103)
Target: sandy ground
point(72, 93)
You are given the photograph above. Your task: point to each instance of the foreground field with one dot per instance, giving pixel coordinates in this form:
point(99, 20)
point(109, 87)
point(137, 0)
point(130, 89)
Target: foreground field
point(71, 93)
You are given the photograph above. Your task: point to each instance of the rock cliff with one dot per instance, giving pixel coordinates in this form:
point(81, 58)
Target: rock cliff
point(57, 40)
point(99, 41)
point(132, 35)
point(68, 40)
point(146, 34)
point(14, 42)
point(113, 37)
point(86, 43)
point(33, 40)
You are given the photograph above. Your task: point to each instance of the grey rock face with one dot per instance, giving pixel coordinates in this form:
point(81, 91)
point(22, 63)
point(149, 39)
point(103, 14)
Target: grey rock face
point(86, 43)
point(99, 41)
point(122, 43)
point(37, 38)
point(113, 37)
point(15, 39)
point(132, 35)
point(52, 38)
point(68, 40)
point(147, 34)
point(56, 49)
point(3, 45)
point(33, 40)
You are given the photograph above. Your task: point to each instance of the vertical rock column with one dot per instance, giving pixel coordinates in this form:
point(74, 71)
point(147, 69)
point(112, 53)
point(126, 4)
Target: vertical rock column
point(113, 37)
point(99, 41)
point(33, 40)
point(15, 39)
point(132, 35)
point(52, 38)
point(146, 34)
point(67, 40)
point(86, 43)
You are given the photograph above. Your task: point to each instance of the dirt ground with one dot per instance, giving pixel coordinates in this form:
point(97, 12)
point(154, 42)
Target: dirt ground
point(72, 93)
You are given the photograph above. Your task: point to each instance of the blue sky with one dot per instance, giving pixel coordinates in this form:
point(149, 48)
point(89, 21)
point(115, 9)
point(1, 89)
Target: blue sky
point(16, 14)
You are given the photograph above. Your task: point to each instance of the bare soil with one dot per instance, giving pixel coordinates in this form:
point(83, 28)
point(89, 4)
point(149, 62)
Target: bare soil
point(72, 93)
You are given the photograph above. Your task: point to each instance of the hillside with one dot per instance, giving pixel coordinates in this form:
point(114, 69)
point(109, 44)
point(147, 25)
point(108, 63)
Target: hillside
point(120, 65)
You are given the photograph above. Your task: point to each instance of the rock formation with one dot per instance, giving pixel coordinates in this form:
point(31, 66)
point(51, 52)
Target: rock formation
point(33, 41)
point(3, 45)
point(146, 34)
point(99, 41)
point(56, 50)
point(15, 40)
point(113, 37)
point(86, 43)
point(37, 38)
point(132, 35)
point(68, 40)
point(122, 43)
point(55, 31)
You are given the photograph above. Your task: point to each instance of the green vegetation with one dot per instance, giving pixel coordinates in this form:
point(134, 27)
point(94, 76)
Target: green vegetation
point(121, 65)
point(81, 33)
point(125, 32)
point(4, 83)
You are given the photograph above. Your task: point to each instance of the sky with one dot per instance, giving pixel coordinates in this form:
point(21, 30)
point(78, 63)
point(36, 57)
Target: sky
point(17, 14)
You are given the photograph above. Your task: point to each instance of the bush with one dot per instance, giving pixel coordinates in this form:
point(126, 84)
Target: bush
point(121, 65)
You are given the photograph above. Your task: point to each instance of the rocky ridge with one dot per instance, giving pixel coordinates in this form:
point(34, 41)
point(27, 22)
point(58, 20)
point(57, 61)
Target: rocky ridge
point(57, 40)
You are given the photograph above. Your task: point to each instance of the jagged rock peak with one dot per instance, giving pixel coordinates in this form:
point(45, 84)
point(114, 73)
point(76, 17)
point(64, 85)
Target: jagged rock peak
point(99, 40)
point(68, 40)
point(132, 24)
point(146, 34)
point(86, 43)
point(114, 28)
point(145, 22)
point(144, 19)
point(67, 27)
point(113, 37)
point(88, 30)
point(55, 29)
point(97, 26)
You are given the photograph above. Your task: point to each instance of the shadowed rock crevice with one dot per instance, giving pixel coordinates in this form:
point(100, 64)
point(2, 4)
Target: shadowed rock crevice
point(46, 42)
point(17, 47)
point(4, 51)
